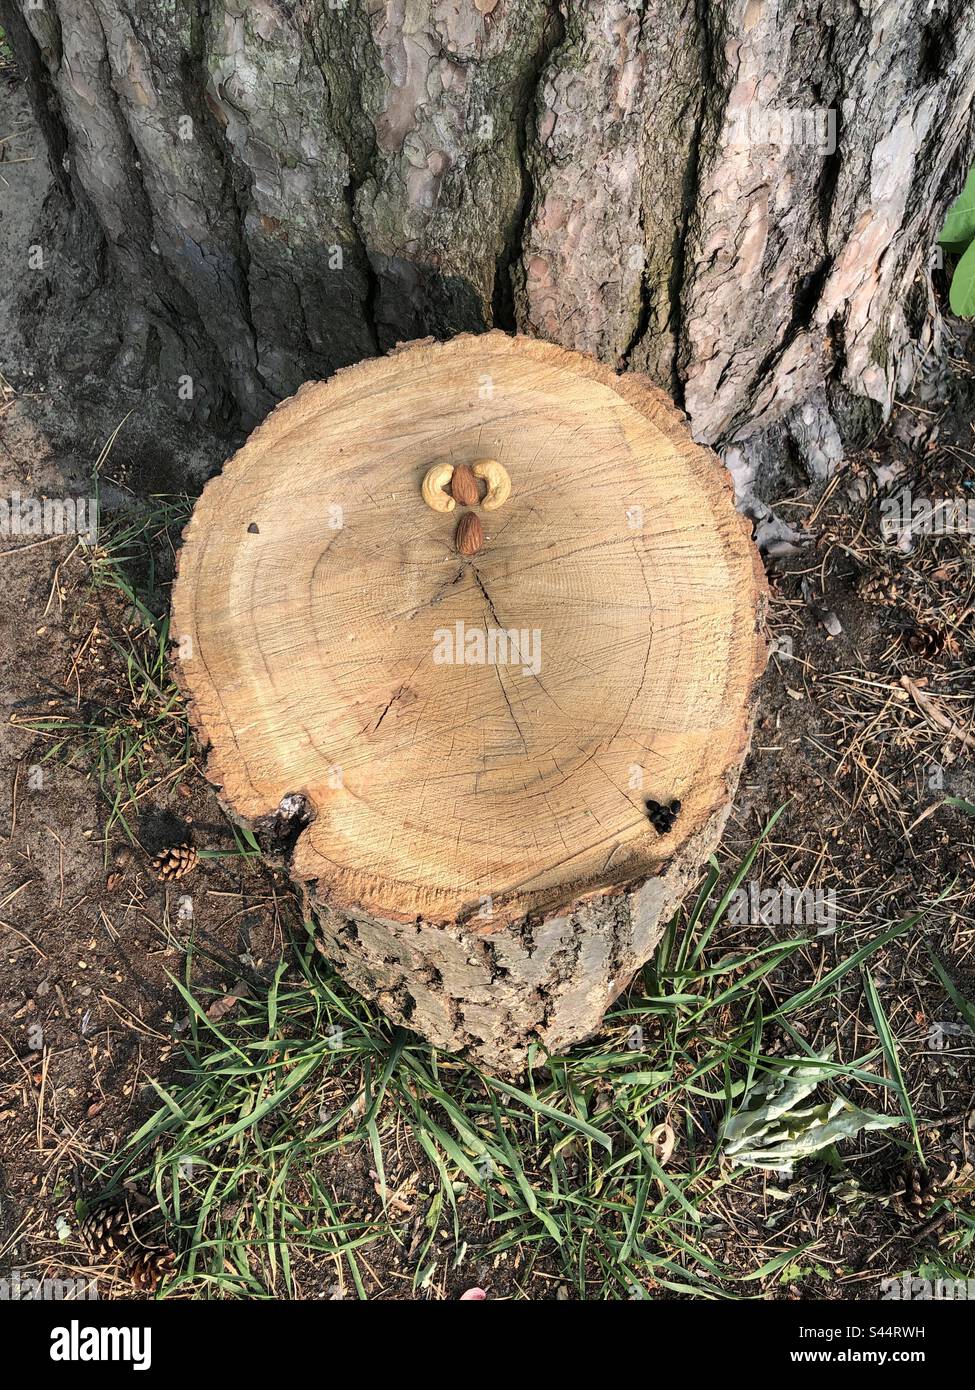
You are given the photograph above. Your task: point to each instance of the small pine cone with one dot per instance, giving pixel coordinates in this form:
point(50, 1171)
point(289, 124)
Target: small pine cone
point(917, 1189)
point(107, 1231)
point(925, 641)
point(175, 863)
point(150, 1267)
point(875, 588)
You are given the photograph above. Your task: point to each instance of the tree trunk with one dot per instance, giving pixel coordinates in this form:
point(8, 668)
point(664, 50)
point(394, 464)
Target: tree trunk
point(287, 188)
point(474, 728)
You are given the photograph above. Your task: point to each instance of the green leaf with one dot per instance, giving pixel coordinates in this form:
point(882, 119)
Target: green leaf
point(959, 228)
point(963, 1005)
point(779, 1261)
point(768, 1131)
point(806, 996)
point(961, 296)
point(551, 1113)
point(773, 1095)
point(889, 1044)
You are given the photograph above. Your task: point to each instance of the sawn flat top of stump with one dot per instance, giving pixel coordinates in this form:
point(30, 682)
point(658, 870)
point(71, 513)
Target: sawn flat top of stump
point(315, 590)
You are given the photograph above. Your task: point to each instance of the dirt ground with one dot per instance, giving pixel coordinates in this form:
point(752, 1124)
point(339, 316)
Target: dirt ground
point(865, 726)
point(89, 937)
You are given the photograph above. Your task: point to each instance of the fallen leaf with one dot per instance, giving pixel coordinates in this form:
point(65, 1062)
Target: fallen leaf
point(220, 1008)
point(664, 1141)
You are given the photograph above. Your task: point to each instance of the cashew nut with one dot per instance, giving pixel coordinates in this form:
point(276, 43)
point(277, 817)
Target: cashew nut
point(433, 487)
point(498, 483)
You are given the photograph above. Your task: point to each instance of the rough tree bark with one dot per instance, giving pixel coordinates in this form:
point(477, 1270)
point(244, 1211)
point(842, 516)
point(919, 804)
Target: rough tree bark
point(285, 188)
point(472, 733)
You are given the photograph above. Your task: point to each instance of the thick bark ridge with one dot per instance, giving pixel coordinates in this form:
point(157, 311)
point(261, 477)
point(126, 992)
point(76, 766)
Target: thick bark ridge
point(509, 1000)
point(286, 188)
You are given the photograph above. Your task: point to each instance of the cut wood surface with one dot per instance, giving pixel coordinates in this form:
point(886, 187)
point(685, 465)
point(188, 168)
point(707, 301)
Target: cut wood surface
point(476, 736)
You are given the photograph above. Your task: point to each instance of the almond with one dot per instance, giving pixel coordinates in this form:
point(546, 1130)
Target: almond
point(463, 486)
point(470, 534)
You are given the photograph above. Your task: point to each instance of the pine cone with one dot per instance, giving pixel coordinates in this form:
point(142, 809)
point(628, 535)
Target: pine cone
point(150, 1267)
point(176, 862)
point(112, 1231)
point(925, 641)
point(108, 1230)
point(917, 1189)
point(878, 588)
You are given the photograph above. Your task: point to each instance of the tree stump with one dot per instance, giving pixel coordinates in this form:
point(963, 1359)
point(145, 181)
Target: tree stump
point(475, 736)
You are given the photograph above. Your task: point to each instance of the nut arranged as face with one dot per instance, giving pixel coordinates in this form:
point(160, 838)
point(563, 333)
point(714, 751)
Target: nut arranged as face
point(462, 482)
point(470, 534)
point(463, 486)
point(499, 484)
point(433, 487)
